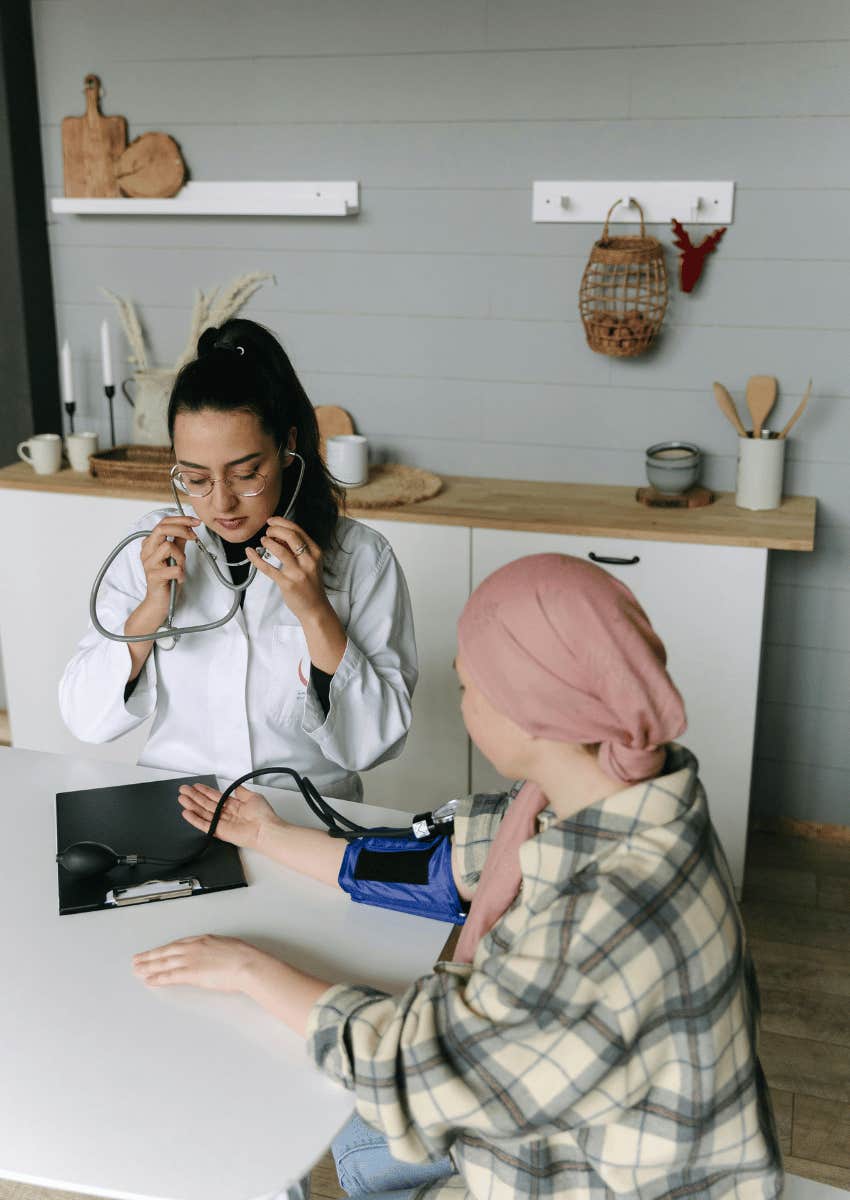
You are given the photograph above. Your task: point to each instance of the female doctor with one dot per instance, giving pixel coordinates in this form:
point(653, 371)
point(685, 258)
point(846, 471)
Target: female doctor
point(317, 668)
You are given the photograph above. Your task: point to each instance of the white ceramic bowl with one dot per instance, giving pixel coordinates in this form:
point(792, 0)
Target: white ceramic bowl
point(673, 467)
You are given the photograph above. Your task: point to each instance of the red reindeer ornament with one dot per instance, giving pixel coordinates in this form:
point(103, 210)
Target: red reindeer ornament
point(693, 257)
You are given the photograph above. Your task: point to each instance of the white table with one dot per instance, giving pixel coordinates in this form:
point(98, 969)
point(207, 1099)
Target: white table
point(110, 1088)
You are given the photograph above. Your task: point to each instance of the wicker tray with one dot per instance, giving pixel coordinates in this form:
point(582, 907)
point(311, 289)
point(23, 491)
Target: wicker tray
point(133, 466)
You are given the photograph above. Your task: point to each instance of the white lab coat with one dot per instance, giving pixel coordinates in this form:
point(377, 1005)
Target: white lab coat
point(238, 698)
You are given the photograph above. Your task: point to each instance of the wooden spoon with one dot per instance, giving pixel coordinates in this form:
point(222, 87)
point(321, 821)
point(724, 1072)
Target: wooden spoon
point(761, 397)
point(798, 412)
point(727, 407)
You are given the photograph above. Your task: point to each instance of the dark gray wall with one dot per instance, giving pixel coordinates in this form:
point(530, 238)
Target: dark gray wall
point(28, 402)
point(441, 317)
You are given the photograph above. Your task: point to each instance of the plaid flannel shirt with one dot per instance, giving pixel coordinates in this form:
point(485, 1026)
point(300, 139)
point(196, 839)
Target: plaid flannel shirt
point(602, 1042)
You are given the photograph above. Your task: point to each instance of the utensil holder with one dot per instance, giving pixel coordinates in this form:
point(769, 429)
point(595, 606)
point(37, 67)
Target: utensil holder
point(761, 462)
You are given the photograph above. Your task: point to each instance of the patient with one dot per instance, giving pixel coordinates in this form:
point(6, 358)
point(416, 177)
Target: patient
point(596, 1032)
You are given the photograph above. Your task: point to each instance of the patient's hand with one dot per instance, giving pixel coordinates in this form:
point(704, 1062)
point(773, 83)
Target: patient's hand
point(219, 963)
point(244, 819)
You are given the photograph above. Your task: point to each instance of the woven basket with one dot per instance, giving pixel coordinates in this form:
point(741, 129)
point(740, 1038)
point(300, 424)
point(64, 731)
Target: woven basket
point(134, 466)
point(623, 292)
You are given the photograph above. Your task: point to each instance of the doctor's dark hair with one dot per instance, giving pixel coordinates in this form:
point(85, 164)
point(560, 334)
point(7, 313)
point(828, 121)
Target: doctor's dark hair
point(241, 366)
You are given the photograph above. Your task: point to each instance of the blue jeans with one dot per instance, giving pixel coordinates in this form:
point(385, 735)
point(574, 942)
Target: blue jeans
point(366, 1168)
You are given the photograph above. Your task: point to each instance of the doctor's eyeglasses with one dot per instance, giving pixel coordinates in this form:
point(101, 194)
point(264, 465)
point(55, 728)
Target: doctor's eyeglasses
point(244, 483)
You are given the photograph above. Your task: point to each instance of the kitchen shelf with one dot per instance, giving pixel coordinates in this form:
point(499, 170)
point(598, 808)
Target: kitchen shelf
point(257, 199)
point(601, 510)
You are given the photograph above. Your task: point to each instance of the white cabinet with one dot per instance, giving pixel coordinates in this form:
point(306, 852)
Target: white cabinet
point(59, 543)
point(705, 603)
point(434, 765)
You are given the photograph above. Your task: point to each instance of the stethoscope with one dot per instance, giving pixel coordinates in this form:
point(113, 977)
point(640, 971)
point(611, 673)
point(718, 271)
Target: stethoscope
point(167, 636)
point(86, 859)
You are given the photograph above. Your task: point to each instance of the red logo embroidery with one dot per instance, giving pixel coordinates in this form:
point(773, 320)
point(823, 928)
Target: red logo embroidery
point(301, 674)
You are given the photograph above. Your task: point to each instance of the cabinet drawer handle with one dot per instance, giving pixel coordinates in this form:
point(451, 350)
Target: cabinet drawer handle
point(614, 562)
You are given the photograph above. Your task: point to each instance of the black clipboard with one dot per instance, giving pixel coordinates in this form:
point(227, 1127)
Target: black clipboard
point(139, 818)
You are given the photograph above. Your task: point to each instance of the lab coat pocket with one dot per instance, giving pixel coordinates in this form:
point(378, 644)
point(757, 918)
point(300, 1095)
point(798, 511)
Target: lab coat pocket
point(290, 666)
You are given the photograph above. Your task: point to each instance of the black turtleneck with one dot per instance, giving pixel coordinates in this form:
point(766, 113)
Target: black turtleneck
point(235, 554)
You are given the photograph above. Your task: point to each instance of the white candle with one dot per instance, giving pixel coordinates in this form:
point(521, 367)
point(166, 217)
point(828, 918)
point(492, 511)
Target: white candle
point(67, 374)
point(106, 355)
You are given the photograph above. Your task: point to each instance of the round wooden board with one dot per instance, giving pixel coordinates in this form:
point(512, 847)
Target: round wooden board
point(151, 166)
point(333, 422)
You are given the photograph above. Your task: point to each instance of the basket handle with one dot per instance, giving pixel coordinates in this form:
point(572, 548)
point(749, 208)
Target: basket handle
point(611, 209)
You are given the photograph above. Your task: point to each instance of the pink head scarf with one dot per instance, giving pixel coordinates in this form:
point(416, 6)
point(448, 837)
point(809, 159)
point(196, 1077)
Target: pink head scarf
point(565, 651)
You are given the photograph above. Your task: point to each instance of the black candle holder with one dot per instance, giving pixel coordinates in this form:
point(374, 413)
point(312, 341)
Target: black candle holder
point(109, 390)
point(70, 409)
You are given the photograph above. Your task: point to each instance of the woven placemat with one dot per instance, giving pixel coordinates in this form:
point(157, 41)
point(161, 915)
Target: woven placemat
point(391, 484)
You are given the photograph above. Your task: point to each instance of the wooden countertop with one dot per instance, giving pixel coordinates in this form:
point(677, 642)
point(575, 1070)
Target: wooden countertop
point(576, 508)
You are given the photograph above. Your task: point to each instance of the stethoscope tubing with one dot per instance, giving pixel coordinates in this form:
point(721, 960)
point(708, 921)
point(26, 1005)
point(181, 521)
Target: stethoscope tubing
point(338, 826)
point(168, 630)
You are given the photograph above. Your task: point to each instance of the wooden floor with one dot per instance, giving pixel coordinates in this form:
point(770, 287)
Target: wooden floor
point(796, 909)
point(797, 912)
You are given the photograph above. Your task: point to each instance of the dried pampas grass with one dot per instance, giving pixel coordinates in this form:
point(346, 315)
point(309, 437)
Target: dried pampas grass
point(218, 306)
point(211, 308)
point(132, 328)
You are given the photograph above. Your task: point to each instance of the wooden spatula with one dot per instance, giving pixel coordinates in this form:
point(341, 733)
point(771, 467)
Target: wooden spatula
point(761, 397)
point(727, 407)
point(798, 411)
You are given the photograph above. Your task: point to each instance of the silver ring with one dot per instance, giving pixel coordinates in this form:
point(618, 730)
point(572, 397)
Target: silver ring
point(300, 549)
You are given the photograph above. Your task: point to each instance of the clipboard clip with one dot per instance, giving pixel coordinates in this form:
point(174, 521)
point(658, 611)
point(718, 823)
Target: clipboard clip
point(153, 889)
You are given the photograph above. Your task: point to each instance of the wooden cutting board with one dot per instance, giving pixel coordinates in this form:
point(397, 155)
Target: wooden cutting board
point(151, 166)
point(333, 422)
point(90, 146)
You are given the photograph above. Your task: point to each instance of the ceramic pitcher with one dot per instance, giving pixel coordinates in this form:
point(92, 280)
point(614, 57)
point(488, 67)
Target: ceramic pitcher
point(149, 397)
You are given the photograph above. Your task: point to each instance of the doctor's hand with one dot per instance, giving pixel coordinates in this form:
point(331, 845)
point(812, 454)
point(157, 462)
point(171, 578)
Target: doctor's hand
point(217, 963)
point(244, 818)
point(156, 551)
point(299, 580)
point(299, 576)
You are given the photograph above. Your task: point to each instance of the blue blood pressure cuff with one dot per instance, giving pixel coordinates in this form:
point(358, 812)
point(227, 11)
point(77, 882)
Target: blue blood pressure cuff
point(405, 873)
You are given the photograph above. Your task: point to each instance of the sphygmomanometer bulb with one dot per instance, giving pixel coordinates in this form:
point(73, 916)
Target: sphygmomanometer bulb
point(85, 859)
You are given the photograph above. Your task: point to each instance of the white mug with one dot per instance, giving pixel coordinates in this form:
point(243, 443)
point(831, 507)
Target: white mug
point(43, 452)
point(760, 464)
point(347, 459)
point(78, 447)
